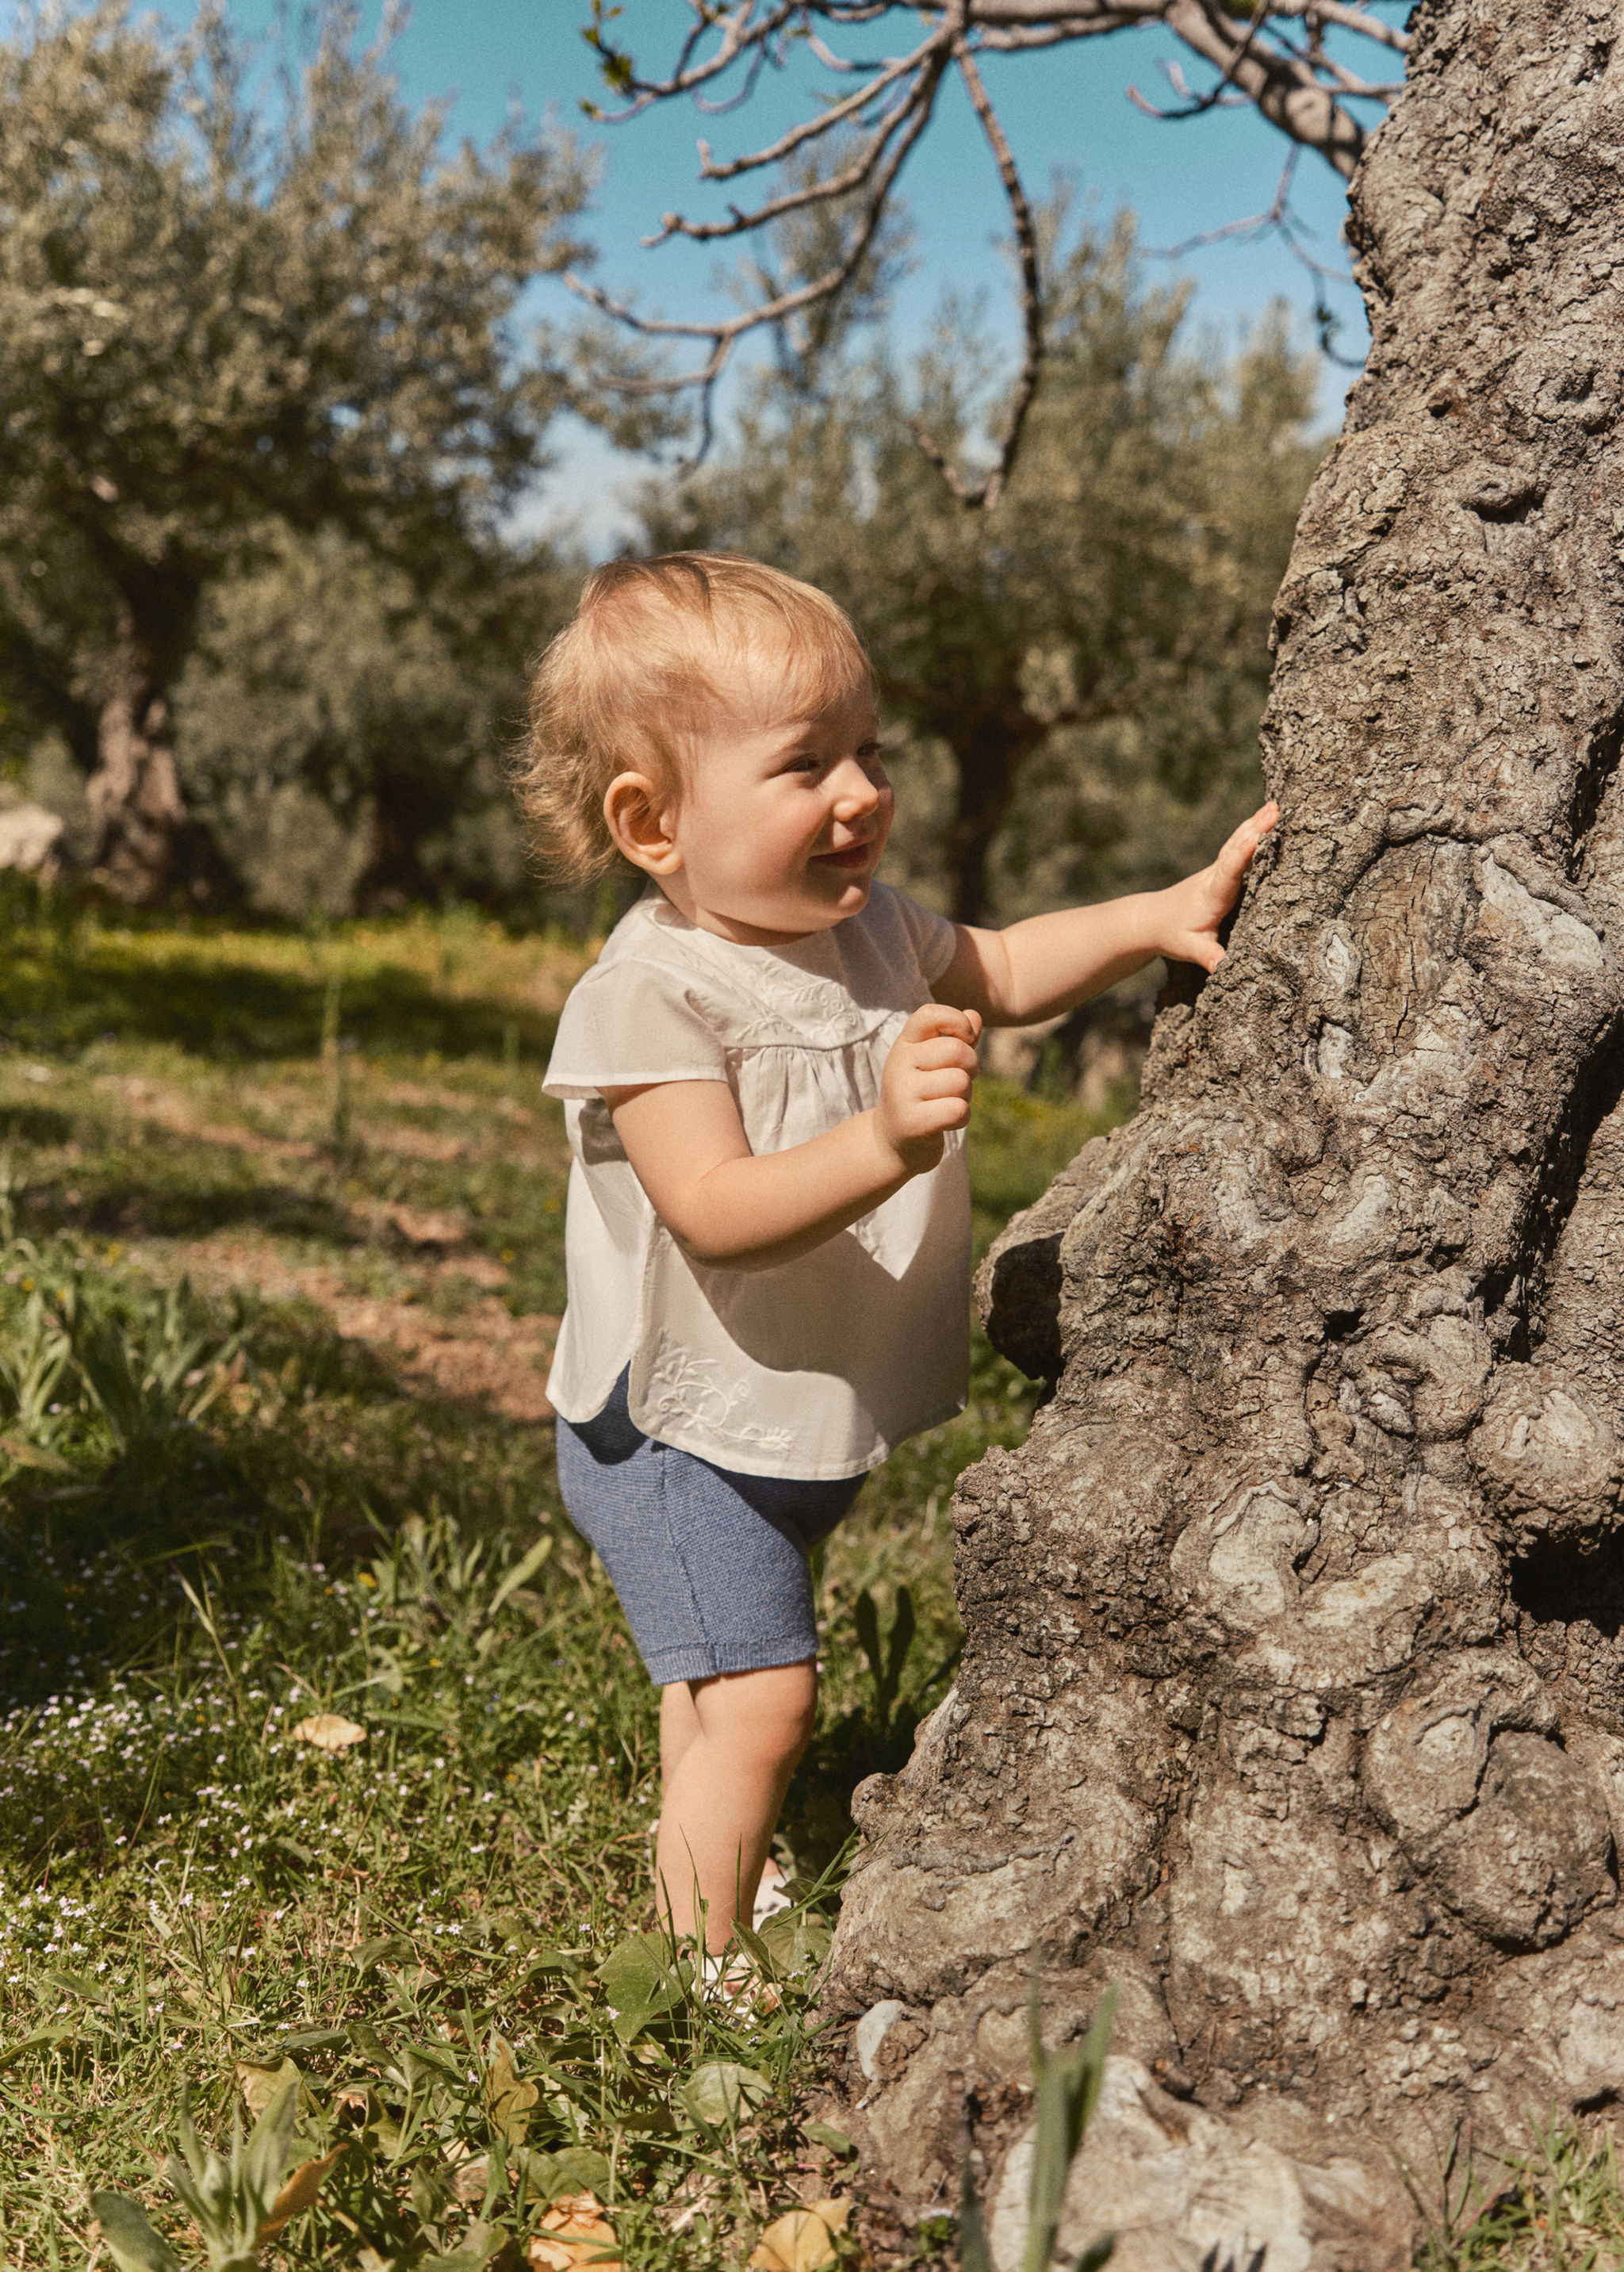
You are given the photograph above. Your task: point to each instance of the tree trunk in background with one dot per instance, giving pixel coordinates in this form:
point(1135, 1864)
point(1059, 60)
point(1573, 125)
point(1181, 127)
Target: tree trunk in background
point(1293, 1697)
point(989, 749)
point(134, 795)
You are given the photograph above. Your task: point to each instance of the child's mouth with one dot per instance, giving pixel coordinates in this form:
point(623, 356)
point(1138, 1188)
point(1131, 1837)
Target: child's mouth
point(855, 855)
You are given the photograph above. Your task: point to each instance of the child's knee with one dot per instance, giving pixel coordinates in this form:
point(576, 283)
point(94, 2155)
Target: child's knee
point(770, 1714)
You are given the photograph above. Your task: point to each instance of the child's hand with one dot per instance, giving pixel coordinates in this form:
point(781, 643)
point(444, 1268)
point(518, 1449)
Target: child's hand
point(1199, 905)
point(925, 1089)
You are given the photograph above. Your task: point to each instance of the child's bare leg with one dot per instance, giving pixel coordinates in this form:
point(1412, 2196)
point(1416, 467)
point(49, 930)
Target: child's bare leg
point(679, 1725)
point(726, 1769)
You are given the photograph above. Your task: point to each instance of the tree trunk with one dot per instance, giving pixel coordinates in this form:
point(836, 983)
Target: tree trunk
point(134, 795)
point(1293, 1695)
point(989, 750)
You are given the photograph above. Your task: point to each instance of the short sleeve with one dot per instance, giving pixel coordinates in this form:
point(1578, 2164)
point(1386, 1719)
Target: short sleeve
point(628, 1022)
point(934, 939)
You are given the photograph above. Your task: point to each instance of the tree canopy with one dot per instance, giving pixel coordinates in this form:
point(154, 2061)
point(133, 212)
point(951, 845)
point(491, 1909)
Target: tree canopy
point(220, 319)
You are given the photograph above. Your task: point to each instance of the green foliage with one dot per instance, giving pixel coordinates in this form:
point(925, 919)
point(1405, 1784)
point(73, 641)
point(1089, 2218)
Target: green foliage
point(234, 2201)
point(884, 1665)
point(339, 729)
point(1558, 2209)
point(1067, 2088)
point(225, 324)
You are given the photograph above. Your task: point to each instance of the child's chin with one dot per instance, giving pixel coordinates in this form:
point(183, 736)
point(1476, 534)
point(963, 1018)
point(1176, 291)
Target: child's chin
point(852, 893)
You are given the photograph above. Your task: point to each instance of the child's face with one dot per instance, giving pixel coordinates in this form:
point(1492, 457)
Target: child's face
point(780, 820)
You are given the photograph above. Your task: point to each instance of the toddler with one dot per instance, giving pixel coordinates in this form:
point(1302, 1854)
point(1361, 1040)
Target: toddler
point(767, 1076)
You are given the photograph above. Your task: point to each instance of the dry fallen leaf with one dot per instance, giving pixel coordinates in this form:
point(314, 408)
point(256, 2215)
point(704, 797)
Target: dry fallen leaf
point(802, 2241)
point(329, 1731)
point(260, 2084)
point(299, 2192)
point(574, 2232)
point(468, 2186)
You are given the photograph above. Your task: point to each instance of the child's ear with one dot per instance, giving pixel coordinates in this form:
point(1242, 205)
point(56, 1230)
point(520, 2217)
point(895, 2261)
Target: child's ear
point(640, 822)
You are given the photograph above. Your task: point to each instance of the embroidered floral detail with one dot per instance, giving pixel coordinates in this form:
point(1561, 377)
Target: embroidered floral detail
point(683, 1386)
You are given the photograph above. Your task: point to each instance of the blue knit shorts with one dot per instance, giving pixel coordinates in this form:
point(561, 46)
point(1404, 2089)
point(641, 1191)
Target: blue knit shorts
point(711, 1567)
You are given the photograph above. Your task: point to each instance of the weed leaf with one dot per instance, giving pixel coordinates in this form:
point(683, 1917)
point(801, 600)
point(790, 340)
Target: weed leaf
point(329, 1731)
point(43, 2039)
point(268, 2142)
point(572, 2169)
point(126, 2232)
point(507, 2099)
point(718, 2093)
point(795, 1940)
point(803, 2241)
point(639, 1983)
point(1067, 2087)
point(260, 2083)
point(1094, 2259)
point(520, 1574)
point(974, 2253)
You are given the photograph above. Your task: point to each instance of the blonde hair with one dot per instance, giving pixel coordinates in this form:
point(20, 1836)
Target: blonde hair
point(623, 685)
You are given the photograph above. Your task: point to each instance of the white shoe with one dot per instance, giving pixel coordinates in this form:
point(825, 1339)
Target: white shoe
point(773, 1897)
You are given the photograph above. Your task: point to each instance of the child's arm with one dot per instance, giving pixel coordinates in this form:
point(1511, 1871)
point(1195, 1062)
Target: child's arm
point(1050, 963)
point(733, 1210)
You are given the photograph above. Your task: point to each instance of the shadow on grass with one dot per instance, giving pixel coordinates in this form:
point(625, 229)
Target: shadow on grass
point(56, 997)
point(134, 1208)
point(37, 1124)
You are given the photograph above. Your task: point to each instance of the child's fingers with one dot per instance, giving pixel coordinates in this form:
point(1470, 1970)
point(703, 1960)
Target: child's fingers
point(948, 1081)
point(1240, 848)
point(931, 1116)
point(932, 1018)
point(936, 1056)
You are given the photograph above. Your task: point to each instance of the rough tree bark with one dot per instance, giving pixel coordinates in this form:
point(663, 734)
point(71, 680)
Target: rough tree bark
point(1293, 1697)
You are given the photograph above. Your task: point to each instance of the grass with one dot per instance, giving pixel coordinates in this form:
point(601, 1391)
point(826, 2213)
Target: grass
point(279, 1260)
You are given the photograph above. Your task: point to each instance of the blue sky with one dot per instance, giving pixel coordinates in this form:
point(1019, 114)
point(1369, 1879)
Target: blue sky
point(1067, 108)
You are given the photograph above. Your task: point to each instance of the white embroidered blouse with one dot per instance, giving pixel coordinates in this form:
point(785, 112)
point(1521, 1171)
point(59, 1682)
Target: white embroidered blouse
point(819, 1366)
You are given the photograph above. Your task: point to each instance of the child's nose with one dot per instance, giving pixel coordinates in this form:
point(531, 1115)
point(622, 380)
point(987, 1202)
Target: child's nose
point(855, 792)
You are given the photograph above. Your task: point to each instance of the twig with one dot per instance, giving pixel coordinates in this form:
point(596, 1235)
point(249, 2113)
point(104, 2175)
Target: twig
point(987, 493)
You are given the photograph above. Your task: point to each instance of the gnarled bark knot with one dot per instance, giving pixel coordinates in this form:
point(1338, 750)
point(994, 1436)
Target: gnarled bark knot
point(1293, 1696)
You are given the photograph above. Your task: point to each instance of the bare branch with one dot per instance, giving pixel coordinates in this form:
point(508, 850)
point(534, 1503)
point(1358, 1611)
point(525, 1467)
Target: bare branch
point(823, 190)
point(1266, 60)
point(811, 130)
point(1286, 92)
point(1214, 96)
point(724, 335)
point(987, 493)
point(1350, 19)
point(1253, 224)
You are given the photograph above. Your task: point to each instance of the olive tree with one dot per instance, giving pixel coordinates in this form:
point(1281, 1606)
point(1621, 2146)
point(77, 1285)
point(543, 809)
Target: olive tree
point(219, 316)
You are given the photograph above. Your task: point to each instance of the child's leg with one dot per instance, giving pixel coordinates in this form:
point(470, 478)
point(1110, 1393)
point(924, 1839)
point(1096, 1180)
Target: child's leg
point(728, 1748)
